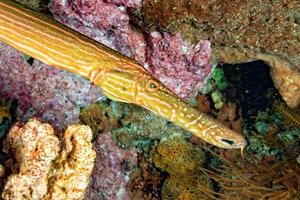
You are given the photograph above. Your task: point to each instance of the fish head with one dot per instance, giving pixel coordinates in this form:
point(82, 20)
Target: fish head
point(139, 87)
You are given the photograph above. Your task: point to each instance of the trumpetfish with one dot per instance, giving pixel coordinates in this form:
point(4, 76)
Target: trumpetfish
point(119, 77)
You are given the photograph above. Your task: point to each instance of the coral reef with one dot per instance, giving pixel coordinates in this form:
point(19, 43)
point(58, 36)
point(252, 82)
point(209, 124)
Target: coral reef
point(98, 117)
point(111, 172)
point(291, 117)
point(179, 65)
point(236, 178)
point(40, 170)
point(177, 157)
point(240, 31)
point(42, 91)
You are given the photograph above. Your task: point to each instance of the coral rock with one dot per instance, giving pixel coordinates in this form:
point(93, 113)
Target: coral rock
point(34, 146)
point(70, 178)
point(42, 171)
point(111, 172)
point(180, 66)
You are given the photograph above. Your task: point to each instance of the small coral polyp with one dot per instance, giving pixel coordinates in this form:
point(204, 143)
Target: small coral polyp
point(42, 170)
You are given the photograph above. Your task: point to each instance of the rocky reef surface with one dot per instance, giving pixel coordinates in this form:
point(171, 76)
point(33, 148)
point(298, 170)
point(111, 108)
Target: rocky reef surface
point(240, 31)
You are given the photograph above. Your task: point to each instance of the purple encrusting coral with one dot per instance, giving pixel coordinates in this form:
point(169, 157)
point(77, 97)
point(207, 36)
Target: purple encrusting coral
point(42, 91)
point(111, 171)
point(180, 66)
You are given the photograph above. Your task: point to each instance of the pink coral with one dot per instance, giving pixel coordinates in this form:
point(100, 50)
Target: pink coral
point(111, 172)
point(182, 67)
point(179, 65)
point(43, 91)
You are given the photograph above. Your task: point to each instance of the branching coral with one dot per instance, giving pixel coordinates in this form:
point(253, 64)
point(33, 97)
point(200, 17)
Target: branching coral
point(233, 177)
point(292, 118)
point(240, 179)
point(40, 172)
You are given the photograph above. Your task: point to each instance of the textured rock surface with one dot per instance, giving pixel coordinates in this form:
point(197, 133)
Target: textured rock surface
point(240, 31)
point(111, 172)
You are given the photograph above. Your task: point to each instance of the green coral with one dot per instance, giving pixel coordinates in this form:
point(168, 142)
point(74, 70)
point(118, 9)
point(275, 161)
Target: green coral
point(267, 136)
point(217, 97)
point(219, 78)
point(261, 127)
point(290, 135)
point(260, 149)
point(215, 85)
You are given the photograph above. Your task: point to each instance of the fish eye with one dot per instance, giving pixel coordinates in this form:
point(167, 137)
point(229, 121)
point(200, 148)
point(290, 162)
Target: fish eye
point(230, 142)
point(152, 85)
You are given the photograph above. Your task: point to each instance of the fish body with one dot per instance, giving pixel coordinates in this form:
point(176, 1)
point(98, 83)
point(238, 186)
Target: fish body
point(120, 78)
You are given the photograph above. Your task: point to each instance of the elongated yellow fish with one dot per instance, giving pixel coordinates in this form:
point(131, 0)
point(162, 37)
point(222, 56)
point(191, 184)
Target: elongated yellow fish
point(119, 77)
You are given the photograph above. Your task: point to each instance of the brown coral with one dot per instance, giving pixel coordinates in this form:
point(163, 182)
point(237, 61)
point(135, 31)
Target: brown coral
point(188, 187)
point(35, 147)
point(176, 156)
point(240, 31)
point(183, 162)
